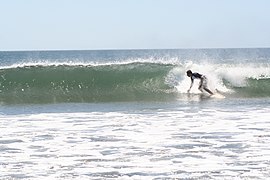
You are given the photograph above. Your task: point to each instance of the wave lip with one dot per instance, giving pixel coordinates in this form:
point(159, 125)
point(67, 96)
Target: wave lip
point(84, 83)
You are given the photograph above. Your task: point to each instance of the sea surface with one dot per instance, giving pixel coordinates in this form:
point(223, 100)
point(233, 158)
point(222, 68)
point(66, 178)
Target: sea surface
point(126, 114)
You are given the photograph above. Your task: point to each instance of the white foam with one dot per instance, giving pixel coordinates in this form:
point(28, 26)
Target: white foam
point(172, 143)
point(236, 75)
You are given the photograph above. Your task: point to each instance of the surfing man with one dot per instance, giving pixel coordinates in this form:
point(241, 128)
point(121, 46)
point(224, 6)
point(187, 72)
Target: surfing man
point(203, 81)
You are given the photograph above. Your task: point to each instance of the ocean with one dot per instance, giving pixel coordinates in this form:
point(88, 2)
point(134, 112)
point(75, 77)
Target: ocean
point(126, 114)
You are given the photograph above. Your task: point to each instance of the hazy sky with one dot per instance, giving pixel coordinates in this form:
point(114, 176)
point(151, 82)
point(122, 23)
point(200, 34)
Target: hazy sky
point(133, 24)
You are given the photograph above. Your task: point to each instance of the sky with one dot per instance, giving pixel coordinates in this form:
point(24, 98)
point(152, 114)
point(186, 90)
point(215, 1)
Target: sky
point(133, 24)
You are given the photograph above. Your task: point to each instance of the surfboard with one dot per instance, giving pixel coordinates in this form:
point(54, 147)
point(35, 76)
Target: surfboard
point(206, 95)
point(218, 96)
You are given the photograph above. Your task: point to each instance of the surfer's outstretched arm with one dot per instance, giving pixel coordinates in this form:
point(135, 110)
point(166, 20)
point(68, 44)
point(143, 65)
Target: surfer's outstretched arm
point(190, 85)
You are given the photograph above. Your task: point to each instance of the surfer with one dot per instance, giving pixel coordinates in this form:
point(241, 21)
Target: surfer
point(203, 81)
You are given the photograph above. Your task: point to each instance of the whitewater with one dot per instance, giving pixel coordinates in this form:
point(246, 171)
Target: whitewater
point(126, 114)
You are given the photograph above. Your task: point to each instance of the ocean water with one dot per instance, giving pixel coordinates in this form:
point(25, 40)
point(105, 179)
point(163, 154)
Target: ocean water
point(126, 114)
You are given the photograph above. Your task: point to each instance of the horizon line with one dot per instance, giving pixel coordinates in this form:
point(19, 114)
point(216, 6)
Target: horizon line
point(131, 49)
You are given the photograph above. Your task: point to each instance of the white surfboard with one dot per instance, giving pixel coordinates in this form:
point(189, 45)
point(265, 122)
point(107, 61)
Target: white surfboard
point(218, 96)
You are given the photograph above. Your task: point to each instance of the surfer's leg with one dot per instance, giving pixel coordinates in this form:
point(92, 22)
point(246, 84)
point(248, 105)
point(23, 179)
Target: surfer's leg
point(204, 85)
point(200, 86)
point(210, 92)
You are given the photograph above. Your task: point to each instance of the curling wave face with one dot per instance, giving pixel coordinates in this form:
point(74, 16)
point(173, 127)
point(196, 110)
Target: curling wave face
point(83, 83)
point(134, 81)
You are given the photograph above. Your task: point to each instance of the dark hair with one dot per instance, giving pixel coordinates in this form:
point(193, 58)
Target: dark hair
point(189, 72)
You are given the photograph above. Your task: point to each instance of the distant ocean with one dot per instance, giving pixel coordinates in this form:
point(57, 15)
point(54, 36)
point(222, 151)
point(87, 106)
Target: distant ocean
point(126, 114)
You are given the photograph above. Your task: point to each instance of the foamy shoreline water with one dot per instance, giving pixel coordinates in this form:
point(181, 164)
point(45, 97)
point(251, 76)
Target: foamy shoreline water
point(207, 139)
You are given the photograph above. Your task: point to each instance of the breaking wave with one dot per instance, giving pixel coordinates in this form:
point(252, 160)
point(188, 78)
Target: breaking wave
point(83, 83)
point(134, 81)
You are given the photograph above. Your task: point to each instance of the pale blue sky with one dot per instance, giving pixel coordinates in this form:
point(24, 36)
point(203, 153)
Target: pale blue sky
point(133, 24)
